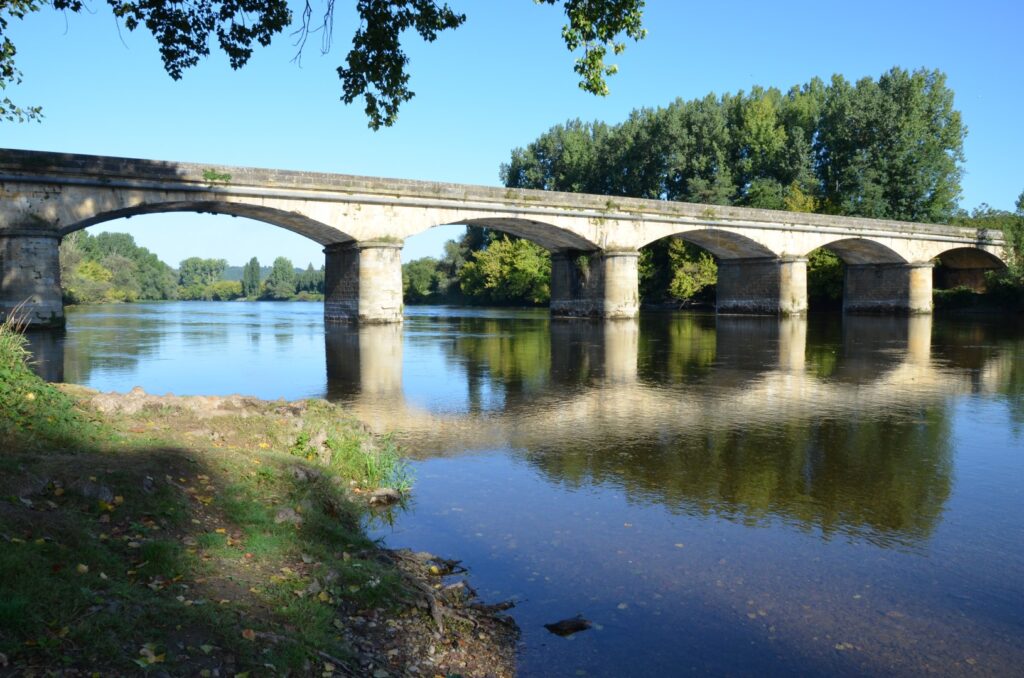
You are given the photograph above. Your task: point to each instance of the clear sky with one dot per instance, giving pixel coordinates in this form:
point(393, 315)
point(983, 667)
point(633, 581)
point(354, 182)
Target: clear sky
point(494, 84)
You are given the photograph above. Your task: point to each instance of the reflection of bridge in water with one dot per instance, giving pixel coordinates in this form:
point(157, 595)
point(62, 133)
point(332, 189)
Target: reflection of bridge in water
point(756, 371)
point(747, 418)
point(839, 427)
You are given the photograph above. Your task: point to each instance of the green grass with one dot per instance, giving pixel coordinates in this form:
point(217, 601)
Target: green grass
point(181, 557)
point(35, 414)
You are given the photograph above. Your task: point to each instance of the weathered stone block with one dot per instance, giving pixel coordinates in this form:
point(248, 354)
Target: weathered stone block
point(766, 286)
point(888, 288)
point(595, 285)
point(30, 279)
point(363, 283)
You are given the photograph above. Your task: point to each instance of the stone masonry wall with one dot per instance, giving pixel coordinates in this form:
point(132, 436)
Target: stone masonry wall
point(887, 288)
point(597, 286)
point(363, 282)
point(748, 286)
point(341, 283)
point(30, 278)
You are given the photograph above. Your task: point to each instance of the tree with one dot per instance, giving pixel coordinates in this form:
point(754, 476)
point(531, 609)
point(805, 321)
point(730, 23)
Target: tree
point(508, 271)
point(310, 281)
point(251, 279)
point(281, 281)
point(196, 272)
point(892, 148)
point(136, 274)
point(694, 271)
point(375, 67)
point(224, 290)
point(419, 279)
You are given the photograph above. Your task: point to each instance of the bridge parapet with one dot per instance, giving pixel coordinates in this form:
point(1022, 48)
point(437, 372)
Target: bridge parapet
point(761, 252)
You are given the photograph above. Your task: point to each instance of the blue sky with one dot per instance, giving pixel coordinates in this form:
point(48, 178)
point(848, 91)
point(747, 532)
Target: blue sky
point(492, 85)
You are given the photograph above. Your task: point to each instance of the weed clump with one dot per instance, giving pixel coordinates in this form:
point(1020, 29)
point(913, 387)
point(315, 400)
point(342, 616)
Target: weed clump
point(35, 414)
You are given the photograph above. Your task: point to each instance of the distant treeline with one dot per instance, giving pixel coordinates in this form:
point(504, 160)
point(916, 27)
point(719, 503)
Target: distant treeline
point(887, 148)
point(110, 267)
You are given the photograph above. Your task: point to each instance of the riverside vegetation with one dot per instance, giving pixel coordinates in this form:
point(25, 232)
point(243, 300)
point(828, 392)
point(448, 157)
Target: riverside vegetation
point(111, 267)
point(212, 536)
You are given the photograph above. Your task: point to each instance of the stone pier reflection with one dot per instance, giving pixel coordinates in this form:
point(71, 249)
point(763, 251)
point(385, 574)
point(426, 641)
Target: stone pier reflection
point(364, 361)
point(47, 349)
point(594, 351)
point(747, 417)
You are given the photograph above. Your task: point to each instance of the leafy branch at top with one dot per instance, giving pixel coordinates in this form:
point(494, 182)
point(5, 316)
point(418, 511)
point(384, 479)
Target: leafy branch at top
point(376, 67)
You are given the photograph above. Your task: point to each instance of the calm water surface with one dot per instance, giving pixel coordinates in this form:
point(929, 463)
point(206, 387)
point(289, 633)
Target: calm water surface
point(733, 496)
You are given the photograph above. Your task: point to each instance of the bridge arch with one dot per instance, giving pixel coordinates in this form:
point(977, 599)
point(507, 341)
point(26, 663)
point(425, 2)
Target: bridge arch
point(970, 257)
point(291, 221)
point(965, 267)
point(548, 234)
point(722, 243)
point(858, 251)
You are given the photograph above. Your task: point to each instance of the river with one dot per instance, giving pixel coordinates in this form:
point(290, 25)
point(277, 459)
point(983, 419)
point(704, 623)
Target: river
point(731, 495)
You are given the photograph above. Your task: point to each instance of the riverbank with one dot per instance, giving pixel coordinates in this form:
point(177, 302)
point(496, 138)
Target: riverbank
point(214, 536)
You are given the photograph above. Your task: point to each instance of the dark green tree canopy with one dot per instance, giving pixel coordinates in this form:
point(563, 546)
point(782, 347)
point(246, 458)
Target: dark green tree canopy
point(887, 148)
point(251, 279)
point(282, 279)
point(376, 66)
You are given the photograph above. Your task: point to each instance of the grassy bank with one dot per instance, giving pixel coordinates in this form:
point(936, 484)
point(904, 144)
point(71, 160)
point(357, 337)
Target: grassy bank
point(208, 536)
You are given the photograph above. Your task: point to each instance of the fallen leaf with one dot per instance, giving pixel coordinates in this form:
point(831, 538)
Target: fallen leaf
point(82, 568)
point(149, 655)
point(249, 634)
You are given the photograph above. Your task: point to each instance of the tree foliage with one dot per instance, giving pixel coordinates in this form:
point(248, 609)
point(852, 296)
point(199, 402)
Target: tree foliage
point(282, 279)
point(509, 270)
point(887, 148)
point(890, 148)
point(195, 274)
point(420, 279)
point(310, 282)
point(111, 267)
point(251, 279)
point(376, 67)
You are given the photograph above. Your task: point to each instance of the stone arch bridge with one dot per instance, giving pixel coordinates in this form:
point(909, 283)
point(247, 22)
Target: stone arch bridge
point(362, 223)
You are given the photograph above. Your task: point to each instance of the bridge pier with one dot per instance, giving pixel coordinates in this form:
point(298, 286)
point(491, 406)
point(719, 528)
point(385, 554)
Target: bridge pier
point(888, 288)
point(363, 282)
point(30, 277)
point(763, 285)
point(595, 284)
